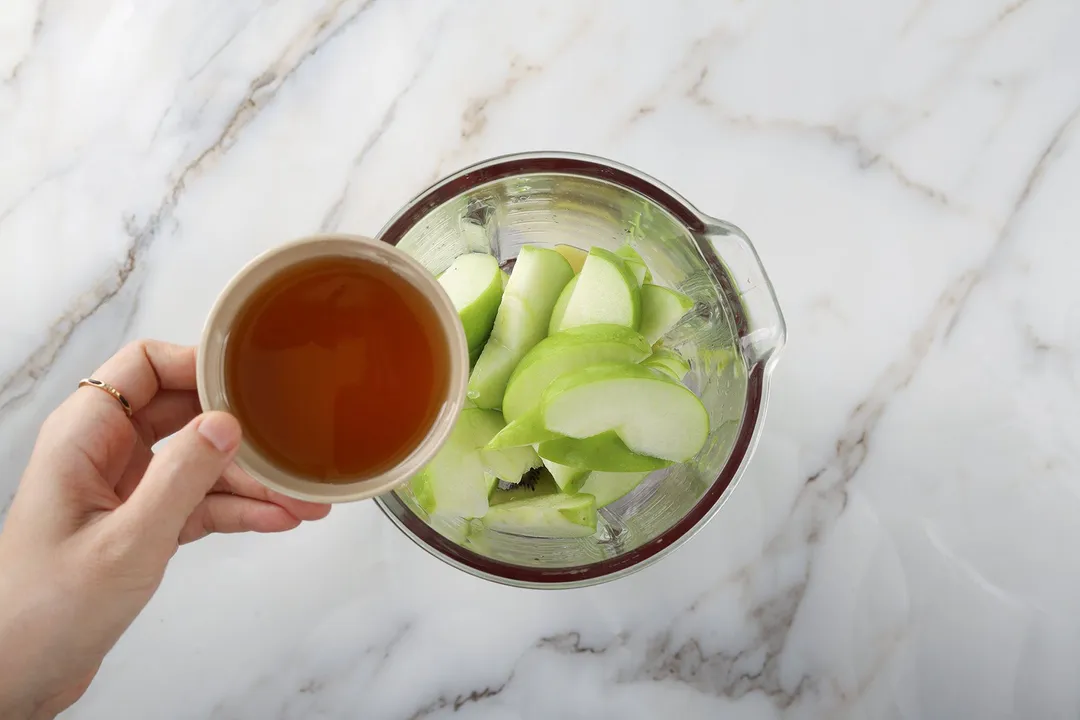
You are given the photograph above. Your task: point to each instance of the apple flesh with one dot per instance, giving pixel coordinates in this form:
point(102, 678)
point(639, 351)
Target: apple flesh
point(455, 482)
point(555, 516)
point(574, 255)
point(568, 479)
point(559, 311)
point(607, 487)
point(509, 464)
point(565, 352)
point(606, 292)
point(651, 413)
point(635, 263)
point(668, 362)
point(661, 309)
point(526, 430)
point(605, 451)
point(474, 283)
point(538, 278)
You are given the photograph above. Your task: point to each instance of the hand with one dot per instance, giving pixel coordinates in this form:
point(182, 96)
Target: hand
point(98, 516)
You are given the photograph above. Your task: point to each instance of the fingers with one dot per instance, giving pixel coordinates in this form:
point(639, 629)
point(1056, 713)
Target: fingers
point(141, 455)
point(224, 513)
point(180, 476)
point(91, 425)
point(166, 413)
point(238, 482)
point(142, 368)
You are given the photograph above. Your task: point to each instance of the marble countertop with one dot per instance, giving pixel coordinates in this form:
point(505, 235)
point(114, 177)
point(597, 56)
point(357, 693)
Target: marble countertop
point(903, 544)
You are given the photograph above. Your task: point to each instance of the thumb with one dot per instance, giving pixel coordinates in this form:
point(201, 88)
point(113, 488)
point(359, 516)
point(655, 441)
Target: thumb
point(180, 476)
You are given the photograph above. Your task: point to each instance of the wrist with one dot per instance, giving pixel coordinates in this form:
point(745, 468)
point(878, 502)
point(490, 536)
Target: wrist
point(27, 678)
point(24, 711)
point(20, 695)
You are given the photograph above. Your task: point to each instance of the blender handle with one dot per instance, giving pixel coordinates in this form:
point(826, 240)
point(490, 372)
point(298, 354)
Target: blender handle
point(762, 331)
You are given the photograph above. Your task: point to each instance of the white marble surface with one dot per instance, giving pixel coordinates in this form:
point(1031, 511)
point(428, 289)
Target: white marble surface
point(904, 544)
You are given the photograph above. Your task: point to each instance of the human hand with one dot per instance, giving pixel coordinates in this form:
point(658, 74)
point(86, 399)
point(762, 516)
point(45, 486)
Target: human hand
point(98, 516)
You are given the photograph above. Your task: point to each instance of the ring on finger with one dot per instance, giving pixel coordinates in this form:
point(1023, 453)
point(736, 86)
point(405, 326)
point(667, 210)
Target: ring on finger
point(94, 383)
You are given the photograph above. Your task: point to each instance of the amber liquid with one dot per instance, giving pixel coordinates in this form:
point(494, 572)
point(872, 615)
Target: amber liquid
point(336, 369)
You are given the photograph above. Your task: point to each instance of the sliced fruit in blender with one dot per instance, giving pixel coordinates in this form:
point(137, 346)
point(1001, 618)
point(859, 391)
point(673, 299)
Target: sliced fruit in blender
point(454, 489)
point(526, 430)
point(455, 482)
point(574, 255)
point(474, 283)
point(654, 415)
point(605, 451)
point(565, 352)
point(568, 479)
point(559, 311)
point(668, 362)
point(606, 292)
point(661, 308)
point(594, 403)
point(554, 516)
point(539, 276)
point(636, 264)
point(509, 464)
point(607, 487)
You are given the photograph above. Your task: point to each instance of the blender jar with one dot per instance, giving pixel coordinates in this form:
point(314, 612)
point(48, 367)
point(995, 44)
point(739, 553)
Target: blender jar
point(731, 337)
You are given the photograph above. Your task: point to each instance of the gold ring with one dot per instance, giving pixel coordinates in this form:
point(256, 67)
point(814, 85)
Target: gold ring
point(91, 382)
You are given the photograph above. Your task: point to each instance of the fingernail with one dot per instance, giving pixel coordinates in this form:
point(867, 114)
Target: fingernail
point(222, 430)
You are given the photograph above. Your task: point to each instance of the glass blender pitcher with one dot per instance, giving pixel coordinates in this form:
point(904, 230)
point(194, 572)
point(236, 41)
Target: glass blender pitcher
point(732, 338)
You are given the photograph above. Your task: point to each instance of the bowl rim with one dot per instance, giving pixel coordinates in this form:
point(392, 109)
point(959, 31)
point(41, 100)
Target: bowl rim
point(757, 379)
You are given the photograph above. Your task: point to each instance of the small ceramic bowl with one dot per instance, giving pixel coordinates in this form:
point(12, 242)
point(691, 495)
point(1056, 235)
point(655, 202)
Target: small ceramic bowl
point(211, 362)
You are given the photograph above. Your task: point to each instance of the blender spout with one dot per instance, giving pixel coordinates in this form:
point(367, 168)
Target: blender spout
point(738, 269)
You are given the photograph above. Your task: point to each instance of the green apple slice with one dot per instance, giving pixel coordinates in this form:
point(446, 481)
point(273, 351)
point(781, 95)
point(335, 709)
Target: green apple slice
point(574, 255)
point(474, 283)
point(639, 270)
point(565, 352)
point(458, 490)
point(668, 362)
point(549, 516)
point(652, 414)
point(606, 292)
point(539, 276)
point(526, 430)
point(516, 326)
point(509, 464)
point(455, 482)
point(559, 311)
point(661, 308)
point(607, 487)
point(568, 479)
point(635, 263)
point(605, 451)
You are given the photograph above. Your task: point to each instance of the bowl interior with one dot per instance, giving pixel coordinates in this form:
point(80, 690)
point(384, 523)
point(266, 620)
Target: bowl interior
point(550, 208)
